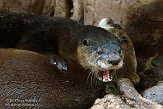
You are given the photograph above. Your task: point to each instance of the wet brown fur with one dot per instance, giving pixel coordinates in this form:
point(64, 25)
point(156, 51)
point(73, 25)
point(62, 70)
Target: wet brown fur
point(29, 75)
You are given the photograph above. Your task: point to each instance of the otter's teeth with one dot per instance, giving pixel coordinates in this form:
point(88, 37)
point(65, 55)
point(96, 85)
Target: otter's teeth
point(106, 76)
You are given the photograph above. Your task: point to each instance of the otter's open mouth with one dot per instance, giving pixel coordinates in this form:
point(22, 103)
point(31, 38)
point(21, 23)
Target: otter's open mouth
point(106, 75)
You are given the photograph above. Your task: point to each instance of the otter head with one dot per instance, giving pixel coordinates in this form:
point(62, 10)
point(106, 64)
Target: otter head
point(100, 51)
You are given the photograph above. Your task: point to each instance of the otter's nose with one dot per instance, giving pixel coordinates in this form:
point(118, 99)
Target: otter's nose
point(110, 58)
point(114, 59)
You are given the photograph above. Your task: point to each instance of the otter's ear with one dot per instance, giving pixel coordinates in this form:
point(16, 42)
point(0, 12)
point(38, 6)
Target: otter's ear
point(106, 23)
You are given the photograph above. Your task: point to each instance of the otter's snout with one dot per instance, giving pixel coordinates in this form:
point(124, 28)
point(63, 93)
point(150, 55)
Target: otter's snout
point(108, 60)
point(114, 59)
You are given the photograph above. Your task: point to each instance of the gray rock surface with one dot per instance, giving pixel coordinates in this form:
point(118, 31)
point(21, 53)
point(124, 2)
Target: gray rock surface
point(155, 93)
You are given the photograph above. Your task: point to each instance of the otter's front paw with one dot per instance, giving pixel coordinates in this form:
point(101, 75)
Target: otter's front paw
point(134, 78)
point(59, 63)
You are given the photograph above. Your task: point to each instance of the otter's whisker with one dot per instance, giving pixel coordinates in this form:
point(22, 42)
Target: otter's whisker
point(94, 78)
point(95, 81)
point(88, 76)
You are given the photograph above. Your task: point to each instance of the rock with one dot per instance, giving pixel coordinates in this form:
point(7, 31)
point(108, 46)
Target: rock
point(130, 99)
point(110, 101)
point(155, 93)
point(62, 8)
point(133, 98)
point(42, 7)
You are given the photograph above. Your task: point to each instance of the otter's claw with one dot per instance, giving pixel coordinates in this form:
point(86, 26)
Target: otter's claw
point(59, 63)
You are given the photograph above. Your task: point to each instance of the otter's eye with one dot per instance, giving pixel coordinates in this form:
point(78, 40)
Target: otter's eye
point(124, 40)
point(100, 52)
point(85, 42)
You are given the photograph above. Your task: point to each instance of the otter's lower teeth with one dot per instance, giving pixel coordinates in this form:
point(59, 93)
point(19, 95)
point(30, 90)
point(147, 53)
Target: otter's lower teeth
point(106, 76)
point(107, 80)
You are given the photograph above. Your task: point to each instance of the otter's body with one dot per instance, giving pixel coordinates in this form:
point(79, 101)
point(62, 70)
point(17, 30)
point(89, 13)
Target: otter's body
point(64, 41)
point(26, 75)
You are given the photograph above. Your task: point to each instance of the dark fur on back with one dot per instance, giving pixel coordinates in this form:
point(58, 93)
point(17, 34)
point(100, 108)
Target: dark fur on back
point(14, 27)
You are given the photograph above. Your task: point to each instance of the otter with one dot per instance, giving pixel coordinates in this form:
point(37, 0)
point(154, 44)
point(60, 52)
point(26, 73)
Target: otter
point(66, 42)
point(129, 63)
point(28, 80)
